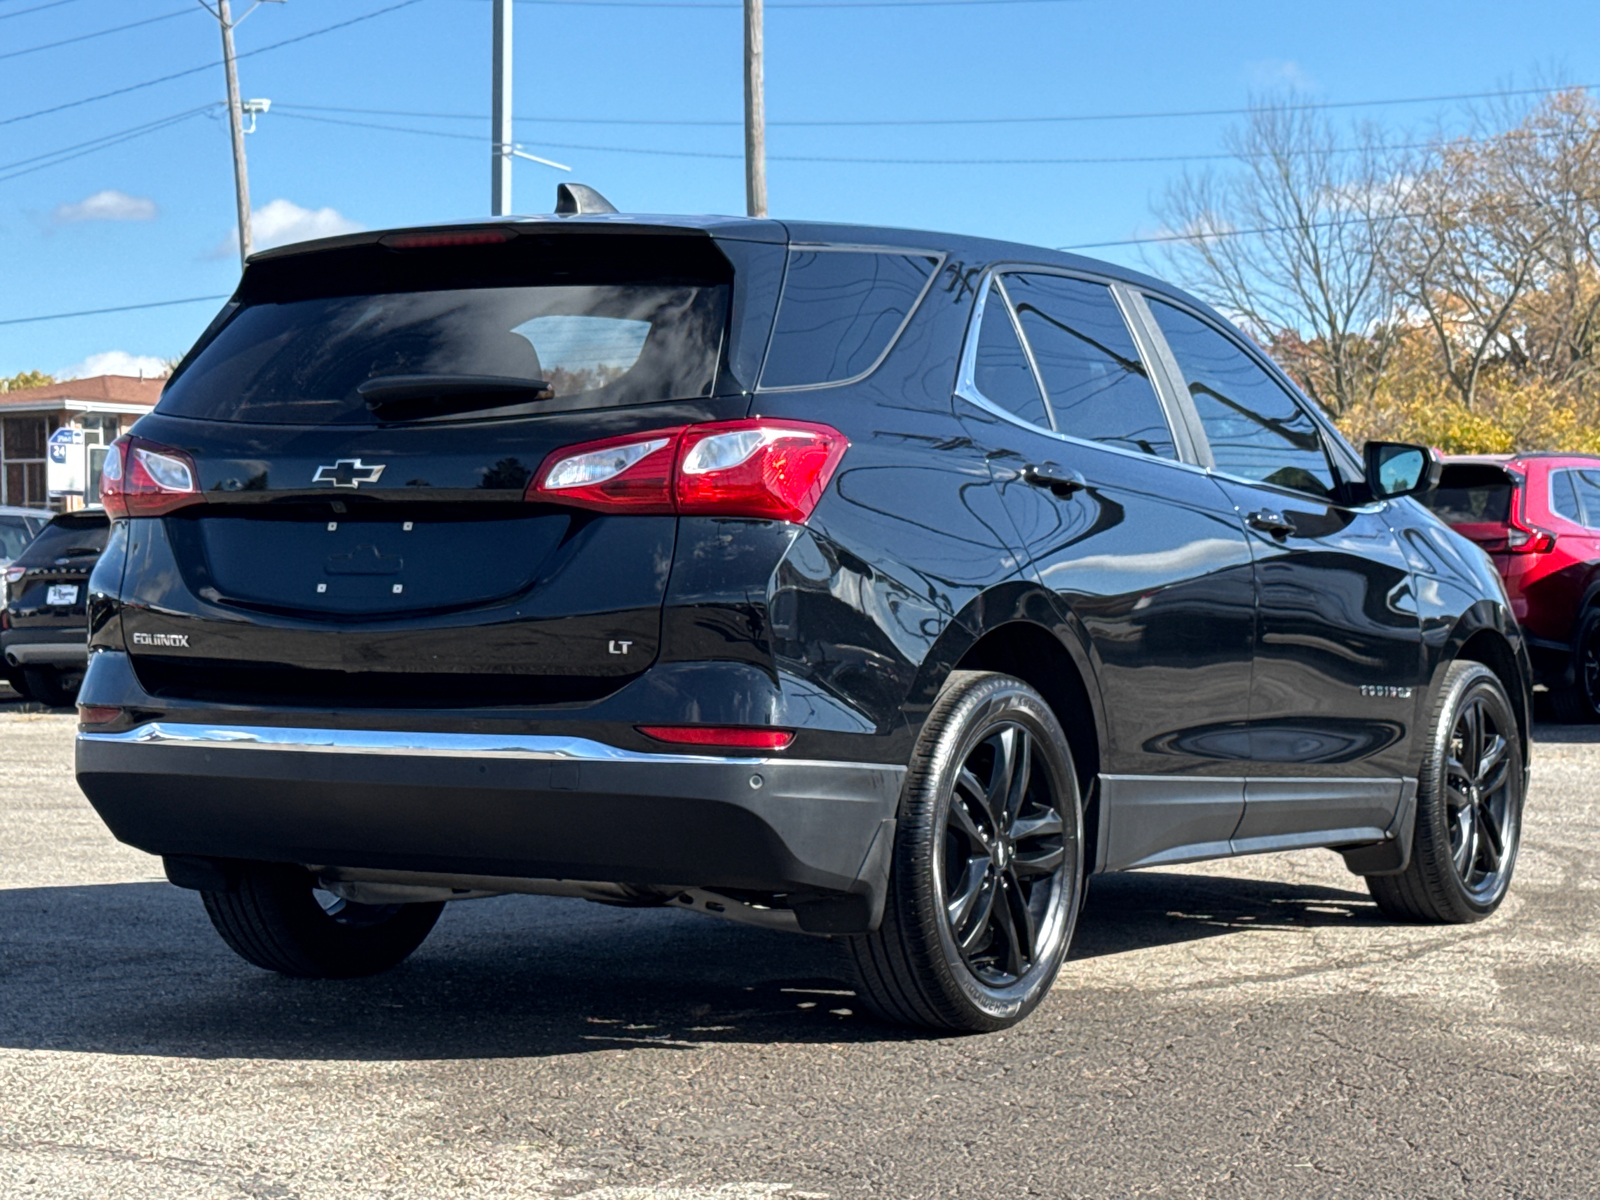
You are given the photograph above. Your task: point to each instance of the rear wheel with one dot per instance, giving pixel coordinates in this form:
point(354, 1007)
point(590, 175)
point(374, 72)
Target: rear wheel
point(988, 866)
point(1579, 703)
point(1469, 807)
point(50, 686)
point(278, 919)
point(18, 684)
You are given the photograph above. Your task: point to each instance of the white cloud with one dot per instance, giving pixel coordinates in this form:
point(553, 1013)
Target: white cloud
point(114, 362)
point(109, 205)
point(279, 222)
point(1275, 73)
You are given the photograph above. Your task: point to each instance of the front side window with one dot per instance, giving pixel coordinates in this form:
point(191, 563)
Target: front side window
point(839, 312)
point(1001, 371)
point(1257, 430)
point(1096, 384)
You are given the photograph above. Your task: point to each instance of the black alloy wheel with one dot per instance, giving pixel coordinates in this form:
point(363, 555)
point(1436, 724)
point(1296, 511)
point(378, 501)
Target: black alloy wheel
point(277, 918)
point(1579, 702)
point(988, 867)
point(1469, 807)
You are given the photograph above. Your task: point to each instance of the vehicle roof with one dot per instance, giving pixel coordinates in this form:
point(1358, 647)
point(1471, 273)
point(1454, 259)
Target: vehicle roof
point(758, 229)
point(1551, 457)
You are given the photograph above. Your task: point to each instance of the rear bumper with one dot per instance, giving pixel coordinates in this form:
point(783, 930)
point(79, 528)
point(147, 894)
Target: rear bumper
point(545, 807)
point(22, 650)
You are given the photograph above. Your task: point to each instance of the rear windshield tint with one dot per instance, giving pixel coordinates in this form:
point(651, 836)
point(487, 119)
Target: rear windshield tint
point(1472, 494)
point(71, 535)
point(601, 329)
point(840, 311)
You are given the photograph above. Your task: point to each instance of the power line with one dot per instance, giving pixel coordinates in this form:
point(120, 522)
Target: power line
point(1030, 161)
point(940, 121)
point(791, 3)
point(104, 142)
point(22, 12)
point(134, 87)
point(94, 312)
point(84, 37)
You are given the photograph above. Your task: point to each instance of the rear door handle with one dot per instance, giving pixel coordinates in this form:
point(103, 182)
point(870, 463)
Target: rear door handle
point(1271, 522)
point(1063, 481)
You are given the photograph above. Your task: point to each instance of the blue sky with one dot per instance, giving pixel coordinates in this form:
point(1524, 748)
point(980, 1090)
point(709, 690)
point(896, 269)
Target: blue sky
point(151, 218)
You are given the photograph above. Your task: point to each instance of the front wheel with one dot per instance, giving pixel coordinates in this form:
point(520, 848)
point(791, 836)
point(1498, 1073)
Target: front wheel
point(988, 866)
point(276, 918)
point(1469, 807)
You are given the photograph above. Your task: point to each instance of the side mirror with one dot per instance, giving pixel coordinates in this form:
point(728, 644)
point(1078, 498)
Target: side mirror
point(1399, 469)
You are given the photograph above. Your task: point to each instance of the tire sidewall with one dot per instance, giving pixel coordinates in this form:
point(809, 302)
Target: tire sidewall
point(988, 702)
point(1432, 813)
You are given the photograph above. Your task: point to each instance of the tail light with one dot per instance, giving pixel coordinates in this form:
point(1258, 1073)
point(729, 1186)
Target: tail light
point(15, 574)
point(773, 470)
point(1524, 538)
point(738, 737)
point(141, 478)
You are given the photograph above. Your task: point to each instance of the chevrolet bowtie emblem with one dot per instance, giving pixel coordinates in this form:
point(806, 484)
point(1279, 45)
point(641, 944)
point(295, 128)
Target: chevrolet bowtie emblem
point(348, 472)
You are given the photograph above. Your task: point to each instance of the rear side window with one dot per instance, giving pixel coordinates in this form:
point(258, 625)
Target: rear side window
point(1564, 496)
point(840, 312)
point(72, 535)
point(1588, 486)
point(1096, 383)
point(1001, 371)
point(14, 536)
point(1256, 429)
point(1472, 494)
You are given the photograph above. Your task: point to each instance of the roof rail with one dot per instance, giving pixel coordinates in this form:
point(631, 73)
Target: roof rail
point(576, 199)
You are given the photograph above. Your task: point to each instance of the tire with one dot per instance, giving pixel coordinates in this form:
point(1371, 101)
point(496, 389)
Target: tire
point(1579, 704)
point(1469, 807)
point(50, 687)
point(275, 920)
point(18, 684)
point(951, 878)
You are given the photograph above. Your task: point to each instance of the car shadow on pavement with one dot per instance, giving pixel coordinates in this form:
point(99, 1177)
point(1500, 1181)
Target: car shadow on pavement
point(135, 968)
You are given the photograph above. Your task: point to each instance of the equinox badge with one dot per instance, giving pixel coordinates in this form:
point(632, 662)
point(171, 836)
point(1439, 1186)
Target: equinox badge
point(348, 472)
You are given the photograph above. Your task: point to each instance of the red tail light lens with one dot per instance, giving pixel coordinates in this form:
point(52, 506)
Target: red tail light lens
point(97, 714)
point(776, 469)
point(772, 470)
point(738, 737)
point(144, 479)
point(1530, 540)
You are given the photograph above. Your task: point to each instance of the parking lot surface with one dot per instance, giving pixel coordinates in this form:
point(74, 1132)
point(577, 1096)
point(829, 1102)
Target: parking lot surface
point(1243, 1029)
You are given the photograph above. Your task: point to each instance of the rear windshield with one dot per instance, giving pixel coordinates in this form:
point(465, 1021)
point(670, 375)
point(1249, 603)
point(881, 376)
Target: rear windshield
point(1472, 494)
point(15, 534)
point(71, 535)
point(600, 331)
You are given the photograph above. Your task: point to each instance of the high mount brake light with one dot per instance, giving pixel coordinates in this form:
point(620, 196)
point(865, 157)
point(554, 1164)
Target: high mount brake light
point(738, 737)
point(458, 237)
point(145, 479)
point(764, 469)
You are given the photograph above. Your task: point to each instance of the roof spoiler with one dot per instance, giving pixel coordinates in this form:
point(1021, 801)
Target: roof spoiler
point(577, 199)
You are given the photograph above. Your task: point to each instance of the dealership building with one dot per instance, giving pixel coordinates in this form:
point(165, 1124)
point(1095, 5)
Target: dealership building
point(96, 409)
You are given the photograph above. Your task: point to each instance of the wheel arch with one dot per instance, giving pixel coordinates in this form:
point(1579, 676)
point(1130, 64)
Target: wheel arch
point(1493, 640)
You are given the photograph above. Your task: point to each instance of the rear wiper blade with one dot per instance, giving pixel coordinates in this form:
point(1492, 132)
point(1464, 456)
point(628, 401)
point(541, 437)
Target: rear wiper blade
point(399, 397)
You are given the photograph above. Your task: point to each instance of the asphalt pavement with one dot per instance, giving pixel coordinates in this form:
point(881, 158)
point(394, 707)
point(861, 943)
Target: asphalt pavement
point(1246, 1029)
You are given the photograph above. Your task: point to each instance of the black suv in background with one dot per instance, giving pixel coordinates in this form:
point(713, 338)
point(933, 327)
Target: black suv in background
point(862, 582)
point(44, 624)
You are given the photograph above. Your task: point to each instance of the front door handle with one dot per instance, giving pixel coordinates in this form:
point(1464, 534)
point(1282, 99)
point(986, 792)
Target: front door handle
point(1063, 481)
point(1271, 522)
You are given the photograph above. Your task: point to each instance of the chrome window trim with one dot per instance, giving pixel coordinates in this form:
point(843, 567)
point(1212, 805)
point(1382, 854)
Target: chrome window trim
point(547, 747)
point(966, 389)
point(940, 257)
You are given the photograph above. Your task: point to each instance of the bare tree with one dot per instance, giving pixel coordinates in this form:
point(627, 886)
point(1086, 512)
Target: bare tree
point(1293, 243)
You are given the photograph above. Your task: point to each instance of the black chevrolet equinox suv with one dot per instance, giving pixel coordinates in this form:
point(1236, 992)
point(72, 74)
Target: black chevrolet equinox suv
point(873, 584)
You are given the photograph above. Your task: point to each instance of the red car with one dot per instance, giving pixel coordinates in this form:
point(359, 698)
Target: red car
point(1538, 517)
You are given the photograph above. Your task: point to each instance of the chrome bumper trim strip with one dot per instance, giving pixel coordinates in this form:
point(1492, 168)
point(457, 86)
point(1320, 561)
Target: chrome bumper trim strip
point(448, 745)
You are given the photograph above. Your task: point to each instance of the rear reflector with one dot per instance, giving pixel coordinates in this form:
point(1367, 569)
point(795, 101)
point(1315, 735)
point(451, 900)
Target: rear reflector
point(739, 737)
point(764, 469)
point(457, 237)
point(141, 478)
point(97, 714)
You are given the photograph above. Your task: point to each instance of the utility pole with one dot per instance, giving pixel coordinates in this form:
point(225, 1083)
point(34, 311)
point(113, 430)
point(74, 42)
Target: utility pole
point(755, 113)
point(241, 174)
point(502, 147)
